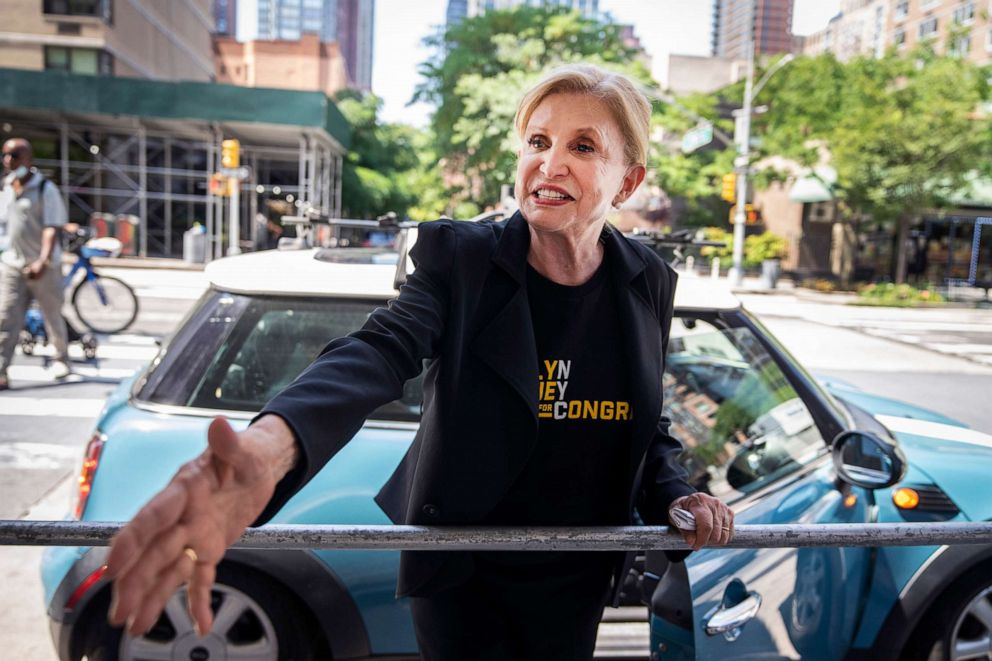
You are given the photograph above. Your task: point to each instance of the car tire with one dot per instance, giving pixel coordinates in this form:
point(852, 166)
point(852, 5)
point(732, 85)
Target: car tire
point(810, 616)
point(960, 617)
point(251, 611)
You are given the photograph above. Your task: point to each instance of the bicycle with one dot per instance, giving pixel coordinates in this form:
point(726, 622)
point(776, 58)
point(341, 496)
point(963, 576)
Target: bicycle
point(103, 303)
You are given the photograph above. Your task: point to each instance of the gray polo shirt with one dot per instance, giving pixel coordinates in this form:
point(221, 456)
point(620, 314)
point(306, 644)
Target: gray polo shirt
point(26, 215)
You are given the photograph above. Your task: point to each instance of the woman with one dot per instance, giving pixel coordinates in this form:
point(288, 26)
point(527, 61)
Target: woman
point(549, 303)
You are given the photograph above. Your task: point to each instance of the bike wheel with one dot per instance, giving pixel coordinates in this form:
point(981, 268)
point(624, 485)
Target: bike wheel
point(105, 304)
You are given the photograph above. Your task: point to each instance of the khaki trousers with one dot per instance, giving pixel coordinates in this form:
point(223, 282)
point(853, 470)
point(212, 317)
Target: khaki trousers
point(16, 292)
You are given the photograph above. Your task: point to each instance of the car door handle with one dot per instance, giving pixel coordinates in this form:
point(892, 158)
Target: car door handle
point(727, 619)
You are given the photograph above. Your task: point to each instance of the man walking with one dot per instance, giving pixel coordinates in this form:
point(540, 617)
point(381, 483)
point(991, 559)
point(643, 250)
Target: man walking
point(30, 266)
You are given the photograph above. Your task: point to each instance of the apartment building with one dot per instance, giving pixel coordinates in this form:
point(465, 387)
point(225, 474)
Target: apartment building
point(306, 64)
point(953, 27)
point(348, 23)
point(869, 27)
point(859, 28)
point(135, 38)
point(459, 9)
point(771, 21)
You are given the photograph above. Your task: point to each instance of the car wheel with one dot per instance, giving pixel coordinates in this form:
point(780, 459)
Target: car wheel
point(254, 618)
point(965, 629)
point(811, 614)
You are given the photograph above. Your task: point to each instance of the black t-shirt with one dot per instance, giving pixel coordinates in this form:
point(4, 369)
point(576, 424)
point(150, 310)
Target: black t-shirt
point(576, 475)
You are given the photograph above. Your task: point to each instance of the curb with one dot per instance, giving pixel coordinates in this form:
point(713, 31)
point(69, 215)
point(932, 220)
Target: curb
point(157, 263)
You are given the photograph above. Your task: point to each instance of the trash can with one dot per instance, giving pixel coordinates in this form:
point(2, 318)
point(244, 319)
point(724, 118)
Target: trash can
point(195, 244)
point(771, 269)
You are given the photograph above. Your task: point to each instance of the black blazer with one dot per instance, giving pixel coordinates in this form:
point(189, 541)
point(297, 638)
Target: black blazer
point(465, 308)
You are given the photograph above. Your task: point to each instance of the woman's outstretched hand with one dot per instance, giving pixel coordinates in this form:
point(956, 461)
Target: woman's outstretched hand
point(182, 533)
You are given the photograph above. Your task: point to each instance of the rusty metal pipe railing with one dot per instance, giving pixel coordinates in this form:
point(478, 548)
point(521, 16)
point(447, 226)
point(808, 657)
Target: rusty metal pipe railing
point(421, 538)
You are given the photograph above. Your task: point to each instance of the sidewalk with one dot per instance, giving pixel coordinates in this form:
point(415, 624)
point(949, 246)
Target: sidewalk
point(956, 329)
point(960, 329)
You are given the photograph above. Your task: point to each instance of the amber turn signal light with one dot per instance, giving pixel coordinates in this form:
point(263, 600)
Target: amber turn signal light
point(906, 498)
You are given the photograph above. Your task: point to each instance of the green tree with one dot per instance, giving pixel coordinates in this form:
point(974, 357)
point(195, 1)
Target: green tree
point(480, 68)
point(375, 177)
point(902, 132)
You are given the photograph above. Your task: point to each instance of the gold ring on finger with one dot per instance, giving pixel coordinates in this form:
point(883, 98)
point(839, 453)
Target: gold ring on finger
point(191, 554)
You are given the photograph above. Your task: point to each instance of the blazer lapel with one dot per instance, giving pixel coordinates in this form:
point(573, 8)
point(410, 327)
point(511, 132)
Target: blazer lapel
point(642, 340)
point(505, 340)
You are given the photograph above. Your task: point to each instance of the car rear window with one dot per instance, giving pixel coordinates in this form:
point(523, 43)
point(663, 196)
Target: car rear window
point(237, 352)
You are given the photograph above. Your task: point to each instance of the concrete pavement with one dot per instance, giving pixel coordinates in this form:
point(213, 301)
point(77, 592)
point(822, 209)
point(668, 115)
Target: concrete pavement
point(958, 329)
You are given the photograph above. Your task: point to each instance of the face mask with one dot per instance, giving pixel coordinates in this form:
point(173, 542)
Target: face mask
point(21, 172)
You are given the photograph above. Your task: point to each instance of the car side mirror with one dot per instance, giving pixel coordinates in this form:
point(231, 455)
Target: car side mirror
point(866, 460)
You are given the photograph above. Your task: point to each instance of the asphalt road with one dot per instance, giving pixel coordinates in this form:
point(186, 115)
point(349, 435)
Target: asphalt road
point(45, 424)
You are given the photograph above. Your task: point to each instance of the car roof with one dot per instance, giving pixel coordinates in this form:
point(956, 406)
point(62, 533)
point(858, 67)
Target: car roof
point(300, 273)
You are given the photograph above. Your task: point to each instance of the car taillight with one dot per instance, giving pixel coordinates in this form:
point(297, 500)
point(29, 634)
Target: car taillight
point(84, 587)
point(91, 459)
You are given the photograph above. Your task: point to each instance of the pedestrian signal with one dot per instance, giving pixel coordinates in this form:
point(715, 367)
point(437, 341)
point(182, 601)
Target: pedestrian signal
point(219, 185)
point(230, 154)
point(728, 191)
point(752, 216)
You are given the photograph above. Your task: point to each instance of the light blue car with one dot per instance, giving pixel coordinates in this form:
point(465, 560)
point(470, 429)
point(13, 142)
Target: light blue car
point(758, 431)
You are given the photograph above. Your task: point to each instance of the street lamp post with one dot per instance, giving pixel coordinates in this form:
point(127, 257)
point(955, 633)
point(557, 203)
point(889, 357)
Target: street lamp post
point(742, 138)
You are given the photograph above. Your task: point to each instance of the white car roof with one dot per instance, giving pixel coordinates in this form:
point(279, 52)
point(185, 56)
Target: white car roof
point(298, 273)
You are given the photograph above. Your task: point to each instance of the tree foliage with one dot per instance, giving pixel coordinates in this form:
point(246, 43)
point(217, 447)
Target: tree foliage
point(375, 179)
point(903, 132)
point(481, 67)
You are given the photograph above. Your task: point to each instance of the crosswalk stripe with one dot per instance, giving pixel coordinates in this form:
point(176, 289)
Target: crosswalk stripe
point(182, 293)
point(35, 373)
point(37, 456)
point(129, 338)
point(118, 351)
point(53, 407)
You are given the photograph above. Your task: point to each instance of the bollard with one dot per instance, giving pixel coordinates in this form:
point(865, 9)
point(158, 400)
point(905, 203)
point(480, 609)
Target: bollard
point(715, 268)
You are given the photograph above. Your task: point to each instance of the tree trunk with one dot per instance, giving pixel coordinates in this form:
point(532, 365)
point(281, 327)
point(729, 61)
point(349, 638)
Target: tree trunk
point(902, 238)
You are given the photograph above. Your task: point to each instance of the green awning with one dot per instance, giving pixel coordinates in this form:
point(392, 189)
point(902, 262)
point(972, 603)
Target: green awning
point(810, 189)
point(976, 192)
point(153, 99)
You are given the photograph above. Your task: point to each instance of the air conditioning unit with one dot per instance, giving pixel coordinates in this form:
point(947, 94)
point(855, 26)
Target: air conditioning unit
point(821, 212)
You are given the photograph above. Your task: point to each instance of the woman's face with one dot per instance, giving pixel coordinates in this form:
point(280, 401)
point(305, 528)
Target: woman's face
point(571, 167)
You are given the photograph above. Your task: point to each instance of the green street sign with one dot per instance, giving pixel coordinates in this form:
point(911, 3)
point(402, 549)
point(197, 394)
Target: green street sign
point(697, 137)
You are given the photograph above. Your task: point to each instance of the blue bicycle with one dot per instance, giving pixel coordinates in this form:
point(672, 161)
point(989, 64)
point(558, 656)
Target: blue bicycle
point(103, 303)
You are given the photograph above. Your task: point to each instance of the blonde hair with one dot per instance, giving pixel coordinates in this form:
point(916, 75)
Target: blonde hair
point(631, 110)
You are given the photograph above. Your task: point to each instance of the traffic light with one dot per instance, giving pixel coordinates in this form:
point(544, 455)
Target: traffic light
point(230, 154)
point(752, 216)
point(219, 185)
point(728, 191)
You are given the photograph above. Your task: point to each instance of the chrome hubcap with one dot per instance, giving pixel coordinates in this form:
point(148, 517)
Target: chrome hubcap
point(972, 637)
point(241, 630)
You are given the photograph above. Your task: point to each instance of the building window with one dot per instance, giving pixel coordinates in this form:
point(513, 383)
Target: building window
point(902, 9)
point(960, 46)
point(988, 40)
point(102, 9)
point(965, 14)
point(79, 60)
point(928, 27)
point(899, 38)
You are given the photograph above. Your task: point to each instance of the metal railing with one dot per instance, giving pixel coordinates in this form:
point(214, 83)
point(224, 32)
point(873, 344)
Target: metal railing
point(626, 538)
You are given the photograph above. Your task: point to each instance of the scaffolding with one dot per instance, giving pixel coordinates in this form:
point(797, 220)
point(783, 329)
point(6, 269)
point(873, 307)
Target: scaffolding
point(135, 170)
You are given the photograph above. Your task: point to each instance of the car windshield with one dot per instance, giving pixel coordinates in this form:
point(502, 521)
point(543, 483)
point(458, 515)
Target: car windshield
point(236, 352)
point(741, 421)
